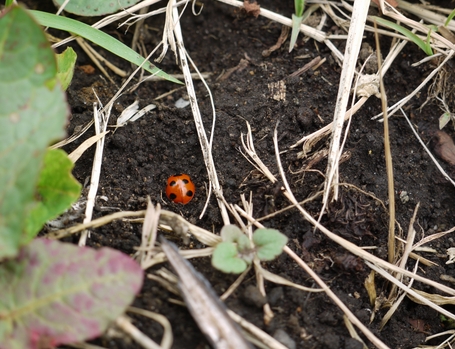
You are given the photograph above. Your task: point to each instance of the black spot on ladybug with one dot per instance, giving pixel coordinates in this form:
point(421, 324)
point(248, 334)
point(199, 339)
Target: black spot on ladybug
point(172, 196)
point(172, 184)
point(189, 193)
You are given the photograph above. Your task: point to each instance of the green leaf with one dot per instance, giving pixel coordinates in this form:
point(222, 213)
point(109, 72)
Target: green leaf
point(444, 120)
point(55, 293)
point(57, 190)
point(425, 46)
point(100, 38)
point(296, 22)
point(269, 243)
point(244, 244)
point(95, 8)
point(230, 233)
point(65, 66)
point(299, 5)
point(225, 258)
point(449, 18)
point(33, 113)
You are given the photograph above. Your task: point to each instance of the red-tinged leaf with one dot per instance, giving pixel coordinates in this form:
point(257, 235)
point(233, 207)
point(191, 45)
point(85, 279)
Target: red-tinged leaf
point(56, 293)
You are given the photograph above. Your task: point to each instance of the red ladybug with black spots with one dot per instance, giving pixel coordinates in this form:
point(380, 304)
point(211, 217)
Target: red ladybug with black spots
point(180, 188)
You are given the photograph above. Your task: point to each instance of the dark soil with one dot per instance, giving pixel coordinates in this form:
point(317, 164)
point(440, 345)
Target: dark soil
point(140, 157)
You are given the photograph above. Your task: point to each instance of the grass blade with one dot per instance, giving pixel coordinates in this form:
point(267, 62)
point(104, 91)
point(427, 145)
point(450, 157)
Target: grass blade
point(410, 35)
point(100, 38)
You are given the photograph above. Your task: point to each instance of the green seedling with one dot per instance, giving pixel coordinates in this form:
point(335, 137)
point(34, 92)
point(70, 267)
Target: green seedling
point(297, 19)
point(424, 45)
point(236, 252)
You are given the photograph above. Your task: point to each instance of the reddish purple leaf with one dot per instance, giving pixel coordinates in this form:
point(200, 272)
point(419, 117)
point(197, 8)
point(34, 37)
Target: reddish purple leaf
point(55, 293)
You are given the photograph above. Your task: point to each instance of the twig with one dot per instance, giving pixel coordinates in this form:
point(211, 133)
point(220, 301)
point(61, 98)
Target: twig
point(204, 305)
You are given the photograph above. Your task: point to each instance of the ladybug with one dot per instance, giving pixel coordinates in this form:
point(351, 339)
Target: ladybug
point(180, 188)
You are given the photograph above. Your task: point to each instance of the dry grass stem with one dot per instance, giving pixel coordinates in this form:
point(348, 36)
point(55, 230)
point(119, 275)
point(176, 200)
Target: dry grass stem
point(388, 159)
point(409, 241)
point(354, 249)
point(354, 41)
point(187, 254)
point(149, 233)
point(265, 338)
point(235, 284)
point(167, 340)
point(288, 193)
point(77, 153)
point(310, 140)
point(206, 145)
point(411, 292)
point(90, 52)
point(352, 331)
point(126, 326)
point(397, 302)
point(394, 108)
point(78, 131)
point(101, 119)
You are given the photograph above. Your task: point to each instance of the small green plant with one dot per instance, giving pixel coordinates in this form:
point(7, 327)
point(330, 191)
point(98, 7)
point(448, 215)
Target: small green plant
point(237, 251)
point(297, 19)
point(424, 45)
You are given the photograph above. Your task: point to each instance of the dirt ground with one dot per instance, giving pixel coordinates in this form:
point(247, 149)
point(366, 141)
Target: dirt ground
point(140, 157)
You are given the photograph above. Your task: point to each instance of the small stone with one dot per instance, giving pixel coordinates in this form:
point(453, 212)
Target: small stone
point(252, 296)
point(282, 337)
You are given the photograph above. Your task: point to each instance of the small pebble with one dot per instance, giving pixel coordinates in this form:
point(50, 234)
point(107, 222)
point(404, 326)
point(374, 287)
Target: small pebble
point(282, 337)
point(252, 296)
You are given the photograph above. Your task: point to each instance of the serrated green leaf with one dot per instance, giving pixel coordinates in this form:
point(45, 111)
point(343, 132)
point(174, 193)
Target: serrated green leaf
point(58, 293)
point(100, 38)
point(269, 243)
point(32, 114)
point(57, 189)
point(90, 8)
point(230, 233)
point(225, 258)
point(65, 66)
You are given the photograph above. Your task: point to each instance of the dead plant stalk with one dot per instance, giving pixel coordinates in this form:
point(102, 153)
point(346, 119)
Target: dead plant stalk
point(388, 159)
